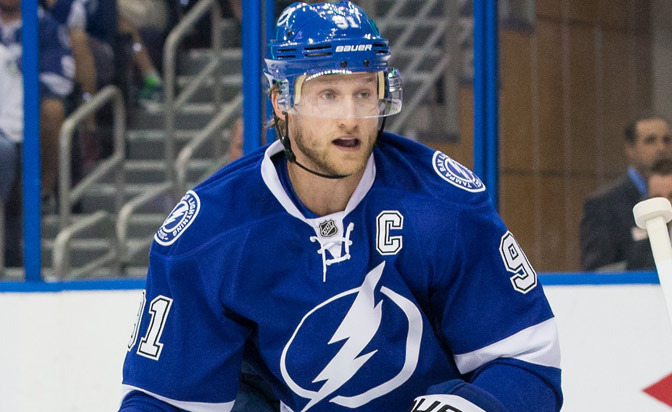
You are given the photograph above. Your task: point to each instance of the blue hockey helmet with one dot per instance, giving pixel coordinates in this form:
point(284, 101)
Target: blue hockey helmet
point(312, 40)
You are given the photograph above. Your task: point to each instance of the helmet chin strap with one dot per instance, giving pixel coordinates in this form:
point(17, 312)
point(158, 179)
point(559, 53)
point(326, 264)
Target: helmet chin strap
point(289, 153)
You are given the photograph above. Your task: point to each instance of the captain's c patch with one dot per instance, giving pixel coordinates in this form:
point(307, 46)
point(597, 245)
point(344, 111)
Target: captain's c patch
point(456, 174)
point(179, 219)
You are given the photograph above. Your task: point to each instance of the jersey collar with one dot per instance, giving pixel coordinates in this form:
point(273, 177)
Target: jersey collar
point(272, 181)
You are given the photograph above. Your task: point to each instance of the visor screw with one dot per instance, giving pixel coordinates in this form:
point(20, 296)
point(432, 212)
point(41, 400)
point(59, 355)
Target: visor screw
point(344, 63)
point(366, 63)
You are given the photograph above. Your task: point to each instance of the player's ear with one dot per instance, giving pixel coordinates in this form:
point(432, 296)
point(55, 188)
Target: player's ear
point(276, 107)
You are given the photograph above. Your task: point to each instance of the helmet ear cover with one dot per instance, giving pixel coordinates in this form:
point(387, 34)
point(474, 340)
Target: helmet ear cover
point(328, 38)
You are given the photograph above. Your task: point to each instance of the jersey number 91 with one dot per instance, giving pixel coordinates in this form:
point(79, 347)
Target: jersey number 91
point(515, 261)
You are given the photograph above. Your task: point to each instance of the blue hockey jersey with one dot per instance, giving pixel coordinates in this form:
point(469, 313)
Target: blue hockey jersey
point(416, 289)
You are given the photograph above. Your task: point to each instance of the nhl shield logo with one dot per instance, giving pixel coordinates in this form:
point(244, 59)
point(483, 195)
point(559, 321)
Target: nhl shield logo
point(179, 219)
point(456, 174)
point(328, 228)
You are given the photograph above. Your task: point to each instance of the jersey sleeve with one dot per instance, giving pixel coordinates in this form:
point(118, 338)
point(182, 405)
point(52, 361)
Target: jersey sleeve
point(495, 318)
point(186, 347)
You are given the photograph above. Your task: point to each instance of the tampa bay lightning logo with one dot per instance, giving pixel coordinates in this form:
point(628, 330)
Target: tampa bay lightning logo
point(179, 219)
point(356, 335)
point(456, 174)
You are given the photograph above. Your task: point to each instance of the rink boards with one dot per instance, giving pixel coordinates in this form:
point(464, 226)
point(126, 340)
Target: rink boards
point(62, 345)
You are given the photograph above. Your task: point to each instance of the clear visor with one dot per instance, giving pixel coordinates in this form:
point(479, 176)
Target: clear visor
point(347, 95)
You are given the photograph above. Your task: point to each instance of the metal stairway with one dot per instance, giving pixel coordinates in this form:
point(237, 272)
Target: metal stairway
point(147, 140)
point(431, 44)
point(145, 165)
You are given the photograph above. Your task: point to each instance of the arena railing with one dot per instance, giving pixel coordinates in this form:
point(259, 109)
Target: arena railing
point(224, 117)
point(69, 196)
point(174, 102)
point(182, 166)
point(438, 44)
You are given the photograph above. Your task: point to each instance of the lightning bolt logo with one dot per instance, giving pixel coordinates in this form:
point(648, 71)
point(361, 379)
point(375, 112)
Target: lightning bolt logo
point(179, 219)
point(359, 326)
point(179, 211)
point(357, 329)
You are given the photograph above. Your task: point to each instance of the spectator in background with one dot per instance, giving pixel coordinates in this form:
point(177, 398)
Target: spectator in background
point(10, 102)
point(151, 89)
point(608, 231)
point(102, 25)
point(56, 68)
point(56, 73)
point(72, 14)
point(8, 163)
point(10, 114)
point(93, 30)
point(235, 150)
point(660, 179)
point(143, 27)
point(659, 184)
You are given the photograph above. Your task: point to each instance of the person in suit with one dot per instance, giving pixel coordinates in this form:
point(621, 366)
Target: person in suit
point(608, 233)
point(659, 184)
point(660, 179)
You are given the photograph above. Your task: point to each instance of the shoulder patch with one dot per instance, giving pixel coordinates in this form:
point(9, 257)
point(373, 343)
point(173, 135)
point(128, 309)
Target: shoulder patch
point(179, 219)
point(454, 173)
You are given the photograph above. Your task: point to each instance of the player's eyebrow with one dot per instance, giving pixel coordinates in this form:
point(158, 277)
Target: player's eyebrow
point(336, 78)
point(370, 78)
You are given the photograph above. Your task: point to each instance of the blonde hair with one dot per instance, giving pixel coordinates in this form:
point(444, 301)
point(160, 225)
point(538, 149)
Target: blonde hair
point(275, 121)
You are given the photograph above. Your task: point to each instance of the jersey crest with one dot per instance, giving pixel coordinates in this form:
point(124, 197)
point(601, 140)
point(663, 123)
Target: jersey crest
point(179, 219)
point(352, 346)
point(454, 173)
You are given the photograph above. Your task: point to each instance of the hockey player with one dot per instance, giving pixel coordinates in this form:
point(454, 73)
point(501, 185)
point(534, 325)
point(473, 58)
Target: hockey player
point(353, 268)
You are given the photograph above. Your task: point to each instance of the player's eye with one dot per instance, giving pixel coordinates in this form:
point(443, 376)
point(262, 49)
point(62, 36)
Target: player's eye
point(328, 95)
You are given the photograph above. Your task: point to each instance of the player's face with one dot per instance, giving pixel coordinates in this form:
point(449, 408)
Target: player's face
point(653, 143)
point(660, 186)
point(332, 144)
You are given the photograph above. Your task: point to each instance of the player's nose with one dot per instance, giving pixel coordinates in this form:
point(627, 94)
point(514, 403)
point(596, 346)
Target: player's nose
point(662, 146)
point(349, 124)
point(347, 113)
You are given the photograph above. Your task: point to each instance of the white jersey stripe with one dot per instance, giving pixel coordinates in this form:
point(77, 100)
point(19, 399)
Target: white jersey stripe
point(537, 344)
point(188, 406)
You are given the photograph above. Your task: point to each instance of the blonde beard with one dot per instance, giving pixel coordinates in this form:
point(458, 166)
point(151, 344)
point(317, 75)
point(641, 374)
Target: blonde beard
point(319, 161)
